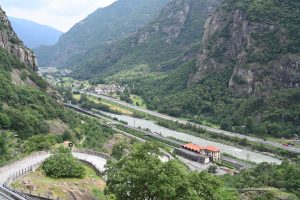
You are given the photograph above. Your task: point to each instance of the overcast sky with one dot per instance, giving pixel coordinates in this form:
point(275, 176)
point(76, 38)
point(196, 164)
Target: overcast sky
point(60, 14)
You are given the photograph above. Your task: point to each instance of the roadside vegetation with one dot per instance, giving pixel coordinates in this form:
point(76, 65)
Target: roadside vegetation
point(158, 180)
point(271, 177)
point(63, 165)
point(92, 184)
point(149, 177)
point(192, 130)
point(26, 114)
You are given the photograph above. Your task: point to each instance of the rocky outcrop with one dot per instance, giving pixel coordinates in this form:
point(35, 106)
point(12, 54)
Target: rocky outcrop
point(174, 17)
point(10, 42)
point(230, 44)
point(170, 22)
point(178, 27)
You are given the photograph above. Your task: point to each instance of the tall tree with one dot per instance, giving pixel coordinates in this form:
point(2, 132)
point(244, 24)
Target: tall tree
point(142, 175)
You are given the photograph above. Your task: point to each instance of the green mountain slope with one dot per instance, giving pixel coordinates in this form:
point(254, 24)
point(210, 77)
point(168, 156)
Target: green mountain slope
point(31, 117)
point(246, 74)
point(159, 46)
point(99, 29)
point(237, 66)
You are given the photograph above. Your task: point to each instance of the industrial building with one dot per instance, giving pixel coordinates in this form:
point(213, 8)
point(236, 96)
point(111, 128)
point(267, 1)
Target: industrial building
point(202, 154)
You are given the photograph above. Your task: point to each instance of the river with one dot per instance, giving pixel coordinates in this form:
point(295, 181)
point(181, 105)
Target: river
point(234, 151)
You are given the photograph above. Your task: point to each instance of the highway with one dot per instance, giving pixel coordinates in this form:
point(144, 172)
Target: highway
point(209, 129)
point(168, 141)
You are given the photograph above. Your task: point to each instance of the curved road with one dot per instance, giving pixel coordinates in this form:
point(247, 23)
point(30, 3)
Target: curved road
point(213, 130)
point(36, 159)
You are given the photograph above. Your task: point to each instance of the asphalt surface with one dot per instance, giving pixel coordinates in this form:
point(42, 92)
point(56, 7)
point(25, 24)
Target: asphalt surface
point(36, 159)
point(238, 163)
point(240, 153)
point(8, 170)
point(96, 161)
point(213, 130)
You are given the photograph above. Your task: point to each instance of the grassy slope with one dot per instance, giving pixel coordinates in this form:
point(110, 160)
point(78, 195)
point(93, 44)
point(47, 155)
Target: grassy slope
point(59, 186)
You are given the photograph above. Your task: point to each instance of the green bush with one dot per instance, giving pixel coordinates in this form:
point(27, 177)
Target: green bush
point(63, 165)
point(38, 81)
point(39, 143)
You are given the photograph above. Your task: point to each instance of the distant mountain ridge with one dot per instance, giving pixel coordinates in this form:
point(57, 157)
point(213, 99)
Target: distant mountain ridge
point(34, 34)
point(235, 63)
point(230, 62)
point(101, 28)
point(158, 46)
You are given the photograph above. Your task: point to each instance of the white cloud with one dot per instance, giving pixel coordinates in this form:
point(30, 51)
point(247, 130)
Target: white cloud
point(60, 14)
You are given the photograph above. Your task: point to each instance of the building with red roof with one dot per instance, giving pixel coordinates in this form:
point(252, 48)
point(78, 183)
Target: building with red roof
point(212, 152)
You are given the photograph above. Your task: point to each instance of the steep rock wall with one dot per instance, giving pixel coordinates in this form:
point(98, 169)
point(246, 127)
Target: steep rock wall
point(230, 42)
point(10, 42)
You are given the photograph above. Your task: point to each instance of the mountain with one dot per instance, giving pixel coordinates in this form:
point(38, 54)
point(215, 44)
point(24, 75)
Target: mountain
point(155, 47)
point(104, 26)
point(34, 34)
point(233, 63)
point(31, 115)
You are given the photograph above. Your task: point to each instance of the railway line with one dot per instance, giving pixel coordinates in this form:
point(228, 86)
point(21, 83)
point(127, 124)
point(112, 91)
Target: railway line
point(168, 141)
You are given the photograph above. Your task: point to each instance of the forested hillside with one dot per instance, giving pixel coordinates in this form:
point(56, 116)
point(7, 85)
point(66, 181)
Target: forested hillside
point(233, 63)
point(30, 119)
point(158, 47)
point(246, 73)
point(236, 64)
point(101, 28)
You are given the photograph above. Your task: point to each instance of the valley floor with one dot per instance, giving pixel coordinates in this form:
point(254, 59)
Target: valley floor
point(214, 130)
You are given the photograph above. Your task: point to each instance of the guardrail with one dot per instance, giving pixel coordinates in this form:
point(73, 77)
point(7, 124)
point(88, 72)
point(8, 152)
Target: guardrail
point(11, 194)
point(21, 173)
point(30, 194)
point(16, 194)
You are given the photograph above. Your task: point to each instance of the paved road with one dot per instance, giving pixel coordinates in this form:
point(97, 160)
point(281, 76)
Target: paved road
point(238, 163)
point(213, 130)
point(7, 171)
point(96, 161)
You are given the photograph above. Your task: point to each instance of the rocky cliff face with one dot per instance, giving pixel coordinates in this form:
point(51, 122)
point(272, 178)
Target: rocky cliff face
point(176, 17)
point(10, 42)
point(234, 42)
point(178, 26)
point(170, 22)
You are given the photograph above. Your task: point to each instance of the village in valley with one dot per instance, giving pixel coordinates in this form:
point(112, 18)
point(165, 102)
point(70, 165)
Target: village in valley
point(59, 78)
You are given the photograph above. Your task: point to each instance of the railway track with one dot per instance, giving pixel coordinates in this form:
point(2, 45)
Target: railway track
point(6, 194)
point(235, 162)
point(3, 196)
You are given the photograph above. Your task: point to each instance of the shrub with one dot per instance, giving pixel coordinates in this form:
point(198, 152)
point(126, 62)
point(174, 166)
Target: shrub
point(38, 81)
point(63, 165)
